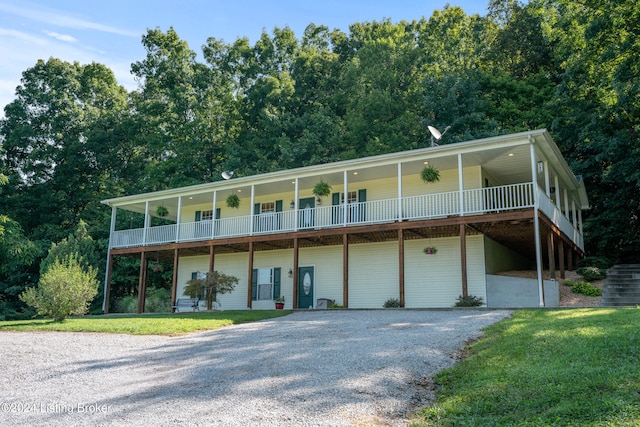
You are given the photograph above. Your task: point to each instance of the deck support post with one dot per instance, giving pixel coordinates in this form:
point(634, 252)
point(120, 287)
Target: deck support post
point(107, 284)
point(561, 258)
point(250, 275)
point(401, 265)
point(296, 253)
point(463, 260)
point(142, 283)
point(345, 270)
point(551, 252)
point(174, 280)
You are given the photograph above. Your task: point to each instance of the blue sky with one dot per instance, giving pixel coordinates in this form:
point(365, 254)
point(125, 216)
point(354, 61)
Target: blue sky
point(109, 32)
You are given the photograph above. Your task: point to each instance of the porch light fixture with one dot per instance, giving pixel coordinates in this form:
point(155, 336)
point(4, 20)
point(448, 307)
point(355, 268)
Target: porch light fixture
point(227, 175)
point(436, 135)
point(540, 166)
point(290, 274)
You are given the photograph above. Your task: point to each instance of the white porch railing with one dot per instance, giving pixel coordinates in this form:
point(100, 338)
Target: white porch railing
point(428, 206)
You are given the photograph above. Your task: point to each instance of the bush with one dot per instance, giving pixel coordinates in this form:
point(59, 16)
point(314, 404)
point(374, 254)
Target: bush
point(127, 304)
point(392, 303)
point(601, 262)
point(469, 301)
point(584, 288)
point(336, 306)
point(64, 289)
point(591, 273)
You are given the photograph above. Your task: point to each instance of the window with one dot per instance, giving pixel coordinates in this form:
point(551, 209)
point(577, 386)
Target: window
point(268, 207)
point(207, 215)
point(265, 284)
point(352, 197)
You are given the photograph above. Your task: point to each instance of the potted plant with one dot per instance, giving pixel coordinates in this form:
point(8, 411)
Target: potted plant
point(162, 211)
point(320, 190)
point(279, 301)
point(430, 250)
point(430, 174)
point(233, 201)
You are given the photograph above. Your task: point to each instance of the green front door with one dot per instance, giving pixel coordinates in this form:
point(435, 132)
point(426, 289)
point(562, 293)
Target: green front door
point(305, 287)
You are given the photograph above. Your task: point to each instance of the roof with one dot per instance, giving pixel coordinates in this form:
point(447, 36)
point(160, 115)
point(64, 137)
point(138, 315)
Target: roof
point(488, 152)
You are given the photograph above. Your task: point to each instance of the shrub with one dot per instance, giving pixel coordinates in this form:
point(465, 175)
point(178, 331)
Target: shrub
point(392, 303)
point(601, 262)
point(127, 304)
point(64, 289)
point(336, 306)
point(591, 273)
point(584, 288)
point(469, 301)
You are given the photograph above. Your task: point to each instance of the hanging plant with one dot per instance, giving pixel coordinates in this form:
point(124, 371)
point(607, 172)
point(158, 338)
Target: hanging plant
point(233, 201)
point(430, 174)
point(321, 189)
point(430, 250)
point(162, 211)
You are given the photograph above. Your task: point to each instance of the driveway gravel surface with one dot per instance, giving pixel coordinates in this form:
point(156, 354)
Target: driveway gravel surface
point(315, 368)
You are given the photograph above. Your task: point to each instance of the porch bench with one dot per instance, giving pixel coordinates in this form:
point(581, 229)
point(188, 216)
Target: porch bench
point(193, 303)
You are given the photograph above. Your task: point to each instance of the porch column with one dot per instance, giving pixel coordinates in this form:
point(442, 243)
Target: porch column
point(574, 214)
point(463, 260)
point(345, 270)
point(251, 212)
point(561, 258)
point(178, 218)
point(551, 252)
point(296, 220)
point(142, 282)
point(400, 192)
point(147, 219)
point(296, 251)
point(556, 183)
point(344, 202)
point(250, 275)
point(107, 285)
point(566, 203)
point(401, 265)
point(536, 222)
point(213, 214)
point(547, 185)
point(212, 254)
point(174, 280)
point(107, 278)
point(460, 184)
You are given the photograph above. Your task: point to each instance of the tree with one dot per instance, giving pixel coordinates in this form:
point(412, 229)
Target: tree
point(65, 289)
point(211, 285)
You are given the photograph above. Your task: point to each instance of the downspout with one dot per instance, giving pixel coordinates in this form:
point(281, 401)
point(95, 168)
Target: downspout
point(112, 228)
point(536, 222)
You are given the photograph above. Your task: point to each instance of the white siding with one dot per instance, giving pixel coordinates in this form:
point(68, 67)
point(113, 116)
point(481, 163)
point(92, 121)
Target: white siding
point(373, 274)
point(436, 280)
point(412, 185)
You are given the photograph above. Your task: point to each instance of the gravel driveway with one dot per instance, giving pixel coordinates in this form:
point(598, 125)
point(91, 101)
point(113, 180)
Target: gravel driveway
point(316, 368)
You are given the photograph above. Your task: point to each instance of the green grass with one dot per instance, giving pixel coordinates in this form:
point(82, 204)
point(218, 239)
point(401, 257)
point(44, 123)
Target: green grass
point(545, 368)
point(145, 324)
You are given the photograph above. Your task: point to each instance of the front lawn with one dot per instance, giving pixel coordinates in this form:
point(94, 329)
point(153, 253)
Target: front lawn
point(145, 324)
point(578, 367)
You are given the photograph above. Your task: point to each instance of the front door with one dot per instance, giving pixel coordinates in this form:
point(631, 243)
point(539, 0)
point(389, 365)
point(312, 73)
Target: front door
point(305, 287)
point(306, 214)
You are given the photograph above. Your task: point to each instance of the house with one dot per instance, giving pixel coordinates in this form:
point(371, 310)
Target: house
point(501, 203)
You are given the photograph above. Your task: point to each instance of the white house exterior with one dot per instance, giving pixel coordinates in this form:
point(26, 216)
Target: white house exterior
point(502, 203)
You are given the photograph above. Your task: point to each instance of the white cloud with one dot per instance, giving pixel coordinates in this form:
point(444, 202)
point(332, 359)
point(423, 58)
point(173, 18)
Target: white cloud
point(61, 37)
point(55, 18)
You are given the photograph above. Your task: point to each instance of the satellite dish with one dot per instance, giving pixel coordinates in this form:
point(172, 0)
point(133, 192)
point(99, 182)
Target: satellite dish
point(227, 175)
point(436, 135)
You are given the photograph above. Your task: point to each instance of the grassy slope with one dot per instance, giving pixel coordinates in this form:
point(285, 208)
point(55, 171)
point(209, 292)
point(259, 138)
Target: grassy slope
point(546, 367)
point(146, 324)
